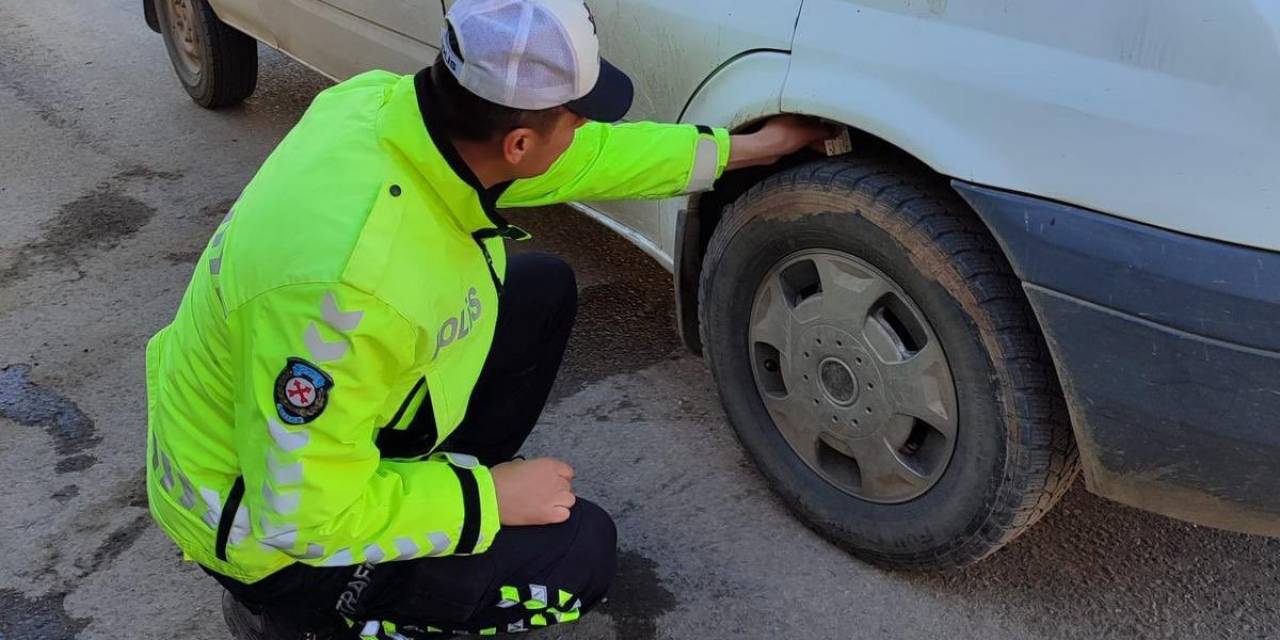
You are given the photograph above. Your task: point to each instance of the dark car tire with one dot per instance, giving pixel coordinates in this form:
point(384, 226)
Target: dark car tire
point(216, 64)
point(1014, 455)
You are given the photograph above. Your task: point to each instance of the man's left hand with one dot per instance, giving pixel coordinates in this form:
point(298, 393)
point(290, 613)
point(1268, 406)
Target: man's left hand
point(780, 136)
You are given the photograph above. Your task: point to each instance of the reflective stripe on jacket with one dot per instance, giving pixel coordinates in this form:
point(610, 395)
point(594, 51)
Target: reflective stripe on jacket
point(356, 276)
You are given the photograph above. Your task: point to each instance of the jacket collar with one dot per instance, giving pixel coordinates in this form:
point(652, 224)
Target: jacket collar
point(433, 156)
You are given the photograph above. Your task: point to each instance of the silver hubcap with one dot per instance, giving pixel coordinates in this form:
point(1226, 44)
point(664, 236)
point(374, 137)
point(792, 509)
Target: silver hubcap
point(853, 376)
point(182, 30)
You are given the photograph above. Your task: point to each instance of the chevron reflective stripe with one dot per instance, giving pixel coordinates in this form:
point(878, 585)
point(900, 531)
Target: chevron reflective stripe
point(537, 597)
point(166, 481)
point(370, 630)
point(392, 633)
point(373, 553)
point(564, 598)
point(215, 262)
point(188, 499)
point(406, 548)
point(321, 349)
point(169, 470)
point(239, 525)
point(510, 597)
point(283, 474)
point(280, 537)
point(285, 439)
point(282, 502)
point(565, 616)
point(336, 318)
point(313, 552)
point(341, 558)
point(213, 505)
point(705, 163)
point(439, 543)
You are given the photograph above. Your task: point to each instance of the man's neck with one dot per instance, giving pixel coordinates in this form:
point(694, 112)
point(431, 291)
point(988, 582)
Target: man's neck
point(490, 170)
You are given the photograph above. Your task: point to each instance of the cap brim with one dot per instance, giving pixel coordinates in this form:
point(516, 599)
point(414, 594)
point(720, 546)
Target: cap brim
point(610, 99)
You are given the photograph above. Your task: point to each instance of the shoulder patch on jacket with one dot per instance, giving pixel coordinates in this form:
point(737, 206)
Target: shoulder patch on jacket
point(302, 391)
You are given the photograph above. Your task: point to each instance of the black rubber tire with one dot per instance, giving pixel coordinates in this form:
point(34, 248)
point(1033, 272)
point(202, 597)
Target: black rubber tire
point(1014, 454)
point(228, 63)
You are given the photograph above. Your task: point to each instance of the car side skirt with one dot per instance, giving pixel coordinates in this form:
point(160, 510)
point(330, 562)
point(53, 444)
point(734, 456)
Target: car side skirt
point(1168, 350)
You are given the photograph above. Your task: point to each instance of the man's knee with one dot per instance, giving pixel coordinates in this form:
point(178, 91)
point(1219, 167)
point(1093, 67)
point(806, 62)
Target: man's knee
point(549, 276)
point(595, 549)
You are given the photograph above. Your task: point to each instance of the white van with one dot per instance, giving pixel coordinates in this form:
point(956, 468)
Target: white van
point(1055, 245)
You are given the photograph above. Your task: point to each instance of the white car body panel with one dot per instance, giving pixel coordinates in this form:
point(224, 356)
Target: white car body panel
point(341, 44)
point(246, 15)
point(1159, 111)
point(670, 47)
point(746, 89)
point(1162, 112)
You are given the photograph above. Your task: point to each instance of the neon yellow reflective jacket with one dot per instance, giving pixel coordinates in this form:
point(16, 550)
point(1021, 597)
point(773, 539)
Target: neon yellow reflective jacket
point(357, 275)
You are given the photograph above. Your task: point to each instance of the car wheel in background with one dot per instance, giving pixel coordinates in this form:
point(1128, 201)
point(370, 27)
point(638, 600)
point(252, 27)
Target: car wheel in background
point(879, 362)
point(216, 64)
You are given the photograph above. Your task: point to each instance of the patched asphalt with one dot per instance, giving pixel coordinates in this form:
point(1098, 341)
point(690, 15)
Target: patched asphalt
point(111, 181)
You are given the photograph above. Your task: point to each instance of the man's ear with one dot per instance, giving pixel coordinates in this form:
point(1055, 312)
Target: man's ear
point(517, 143)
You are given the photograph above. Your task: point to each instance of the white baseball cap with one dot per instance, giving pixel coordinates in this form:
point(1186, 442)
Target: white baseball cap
point(532, 55)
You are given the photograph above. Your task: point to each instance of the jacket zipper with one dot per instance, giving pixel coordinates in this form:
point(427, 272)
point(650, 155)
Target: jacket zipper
point(405, 405)
point(506, 232)
point(488, 261)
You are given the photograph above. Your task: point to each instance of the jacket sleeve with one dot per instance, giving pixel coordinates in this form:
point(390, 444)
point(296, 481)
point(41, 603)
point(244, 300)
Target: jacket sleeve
point(639, 160)
point(313, 366)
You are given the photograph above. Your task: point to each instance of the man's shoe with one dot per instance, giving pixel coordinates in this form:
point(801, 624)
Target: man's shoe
point(243, 623)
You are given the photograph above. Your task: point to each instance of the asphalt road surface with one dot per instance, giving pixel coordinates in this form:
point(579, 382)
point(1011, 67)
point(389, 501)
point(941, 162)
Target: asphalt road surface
point(110, 182)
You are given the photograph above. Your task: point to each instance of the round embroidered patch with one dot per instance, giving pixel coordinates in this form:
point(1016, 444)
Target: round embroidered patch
point(301, 391)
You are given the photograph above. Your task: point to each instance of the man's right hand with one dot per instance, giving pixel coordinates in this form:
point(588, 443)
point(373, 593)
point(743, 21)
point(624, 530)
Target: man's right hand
point(533, 492)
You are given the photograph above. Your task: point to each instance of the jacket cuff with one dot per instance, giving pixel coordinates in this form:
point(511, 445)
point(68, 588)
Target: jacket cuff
point(480, 521)
point(490, 522)
point(710, 156)
point(724, 145)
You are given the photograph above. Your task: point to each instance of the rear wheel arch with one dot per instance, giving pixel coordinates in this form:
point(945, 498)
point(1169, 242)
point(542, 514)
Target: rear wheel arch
point(701, 214)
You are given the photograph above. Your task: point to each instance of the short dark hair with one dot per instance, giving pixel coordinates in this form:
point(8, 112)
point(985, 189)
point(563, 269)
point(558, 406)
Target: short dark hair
point(466, 116)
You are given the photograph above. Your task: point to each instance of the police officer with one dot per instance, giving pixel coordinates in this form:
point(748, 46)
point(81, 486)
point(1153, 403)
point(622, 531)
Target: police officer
point(336, 410)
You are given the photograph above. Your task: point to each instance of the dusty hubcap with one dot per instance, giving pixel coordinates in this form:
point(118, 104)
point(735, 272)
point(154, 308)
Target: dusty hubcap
point(182, 30)
point(853, 376)
point(838, 381)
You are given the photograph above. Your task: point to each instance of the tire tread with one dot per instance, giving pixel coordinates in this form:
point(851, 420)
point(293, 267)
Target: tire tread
point(234, 62)
point(1042, 460)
